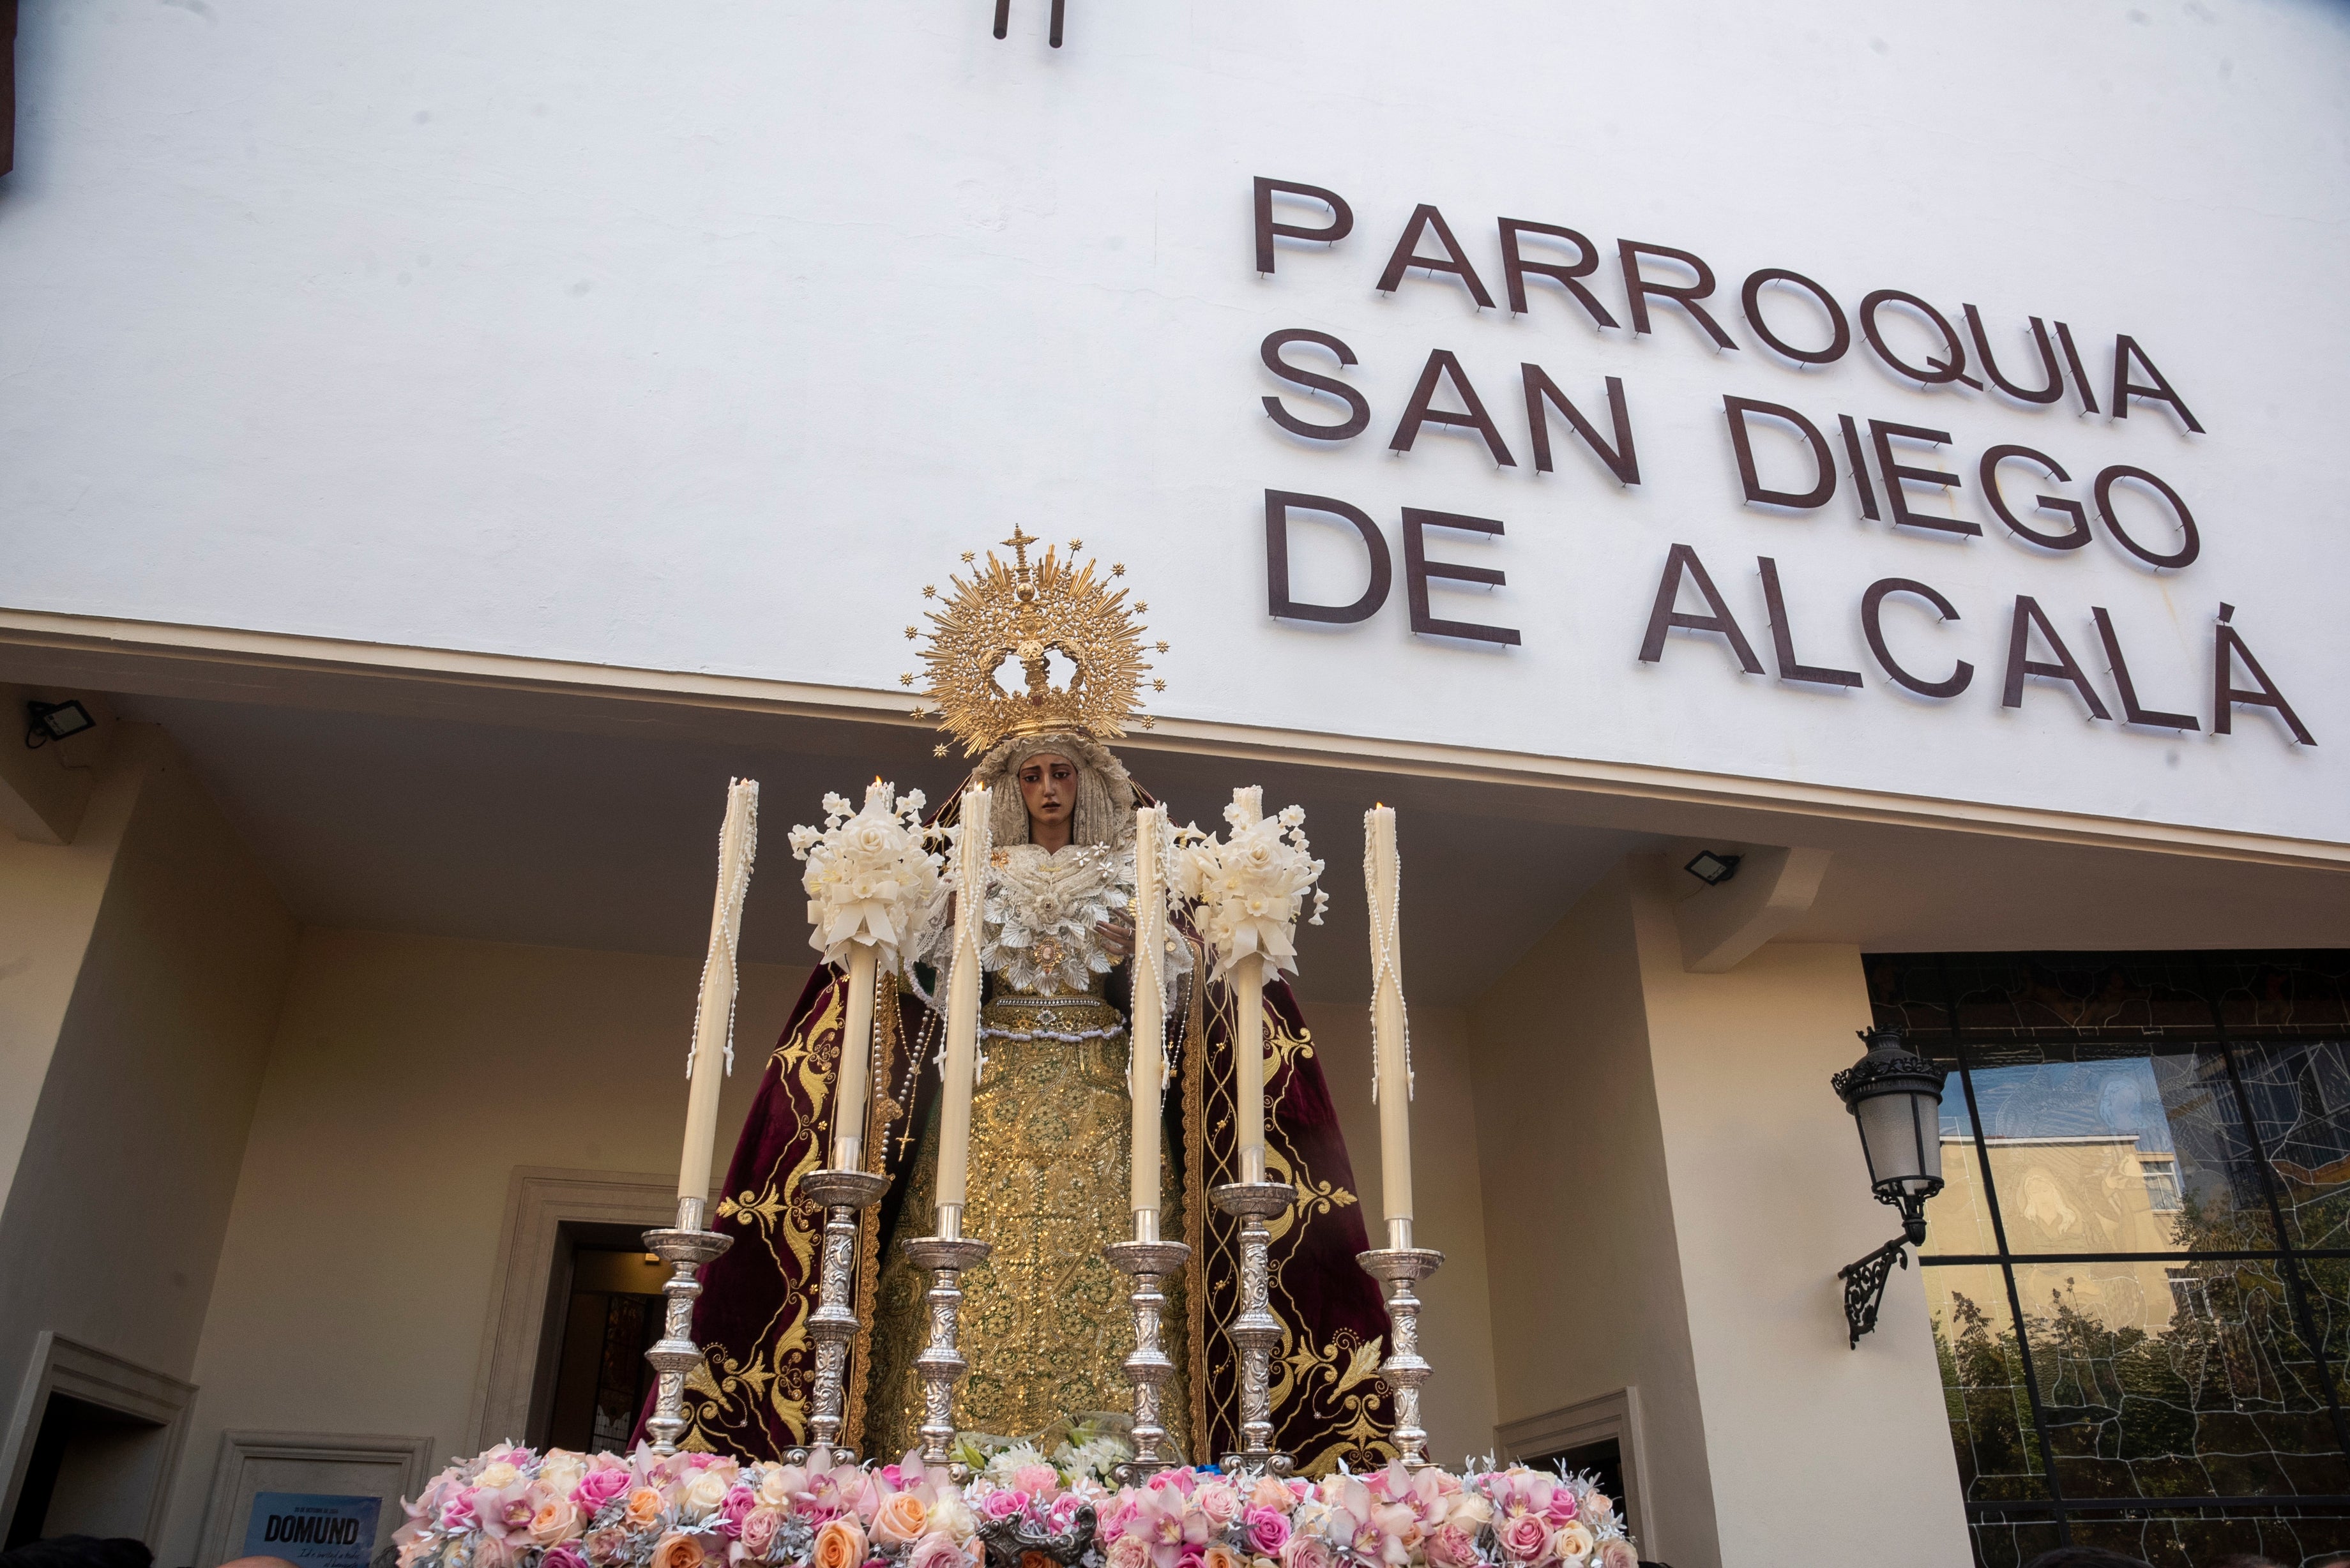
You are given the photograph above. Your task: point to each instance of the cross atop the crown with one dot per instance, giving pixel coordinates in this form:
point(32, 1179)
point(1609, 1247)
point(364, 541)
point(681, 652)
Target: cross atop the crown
point(1020, 541)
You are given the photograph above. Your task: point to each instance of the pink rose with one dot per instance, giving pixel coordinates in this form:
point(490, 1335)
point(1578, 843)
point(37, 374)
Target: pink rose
point(608, 1548)
point(1192, 1557)
point(1268, 1531)
point(1616, 1553)
point(566, 1555)
point(1037, 1480)
point(1525, 1537)
point(1117, 1519)
point(1127, 1551)
point(734, 1508)
point(756, 1535)
point(598, 1487)
point(1000, 1504)
point(938, 1549)
point(1063, 1512)
point(1451, 1547)
point(1561, 1508)
point(1307, 1552)
point(1220, 1502)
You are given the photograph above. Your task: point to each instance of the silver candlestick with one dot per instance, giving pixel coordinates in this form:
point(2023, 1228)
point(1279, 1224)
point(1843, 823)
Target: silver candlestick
point(1397, 1265)
point(1149, 1259)
point(1255, 1331)
point(844, 1195)
point(685, 1247)
point(946, 1255)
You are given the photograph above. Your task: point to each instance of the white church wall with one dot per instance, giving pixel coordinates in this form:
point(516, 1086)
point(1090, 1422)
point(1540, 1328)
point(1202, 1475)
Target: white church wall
point(696, 340)
point(408, 1078)
point(1456, 1328)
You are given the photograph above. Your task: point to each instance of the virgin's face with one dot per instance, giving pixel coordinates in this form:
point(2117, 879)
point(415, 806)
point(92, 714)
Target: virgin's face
point(1048, 784)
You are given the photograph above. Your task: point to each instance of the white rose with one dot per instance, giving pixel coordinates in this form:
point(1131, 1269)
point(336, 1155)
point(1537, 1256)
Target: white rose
point(707, 1490)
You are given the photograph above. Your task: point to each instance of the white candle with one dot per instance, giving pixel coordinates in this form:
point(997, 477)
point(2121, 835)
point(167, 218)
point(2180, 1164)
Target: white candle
point(972, 853)
point(1146, 1072)
point(1390, 1041)
point(713, 1021)
point(1248, 1064)
point(849, 1094)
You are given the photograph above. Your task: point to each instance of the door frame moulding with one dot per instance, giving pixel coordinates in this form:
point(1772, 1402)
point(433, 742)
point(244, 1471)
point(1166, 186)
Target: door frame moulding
point(94, 1377)
point(1613, 1415)
point(518, 1343)
point(240, 1447)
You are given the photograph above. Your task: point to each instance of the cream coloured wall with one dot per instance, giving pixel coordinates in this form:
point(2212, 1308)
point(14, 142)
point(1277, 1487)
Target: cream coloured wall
point(1456, 1324)
point(140, 968)
point(1769, 1198)
point(410, 1076)
point(1580, 1229)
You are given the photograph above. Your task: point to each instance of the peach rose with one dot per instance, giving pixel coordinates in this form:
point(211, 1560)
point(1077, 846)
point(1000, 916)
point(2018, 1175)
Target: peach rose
point(677, 1550)
point(644, 1507)
point(839, 1544)
point(497, 1475)
point(557, 1520)
point(1599, 1505)
point(1572, 1543)
point(1219, 1555)
point(1129, 1551)
point(1269, 1492)
point(900, 1520)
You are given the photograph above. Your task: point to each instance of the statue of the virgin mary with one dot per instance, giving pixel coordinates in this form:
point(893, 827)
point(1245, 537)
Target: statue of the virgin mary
point(1044, 1323)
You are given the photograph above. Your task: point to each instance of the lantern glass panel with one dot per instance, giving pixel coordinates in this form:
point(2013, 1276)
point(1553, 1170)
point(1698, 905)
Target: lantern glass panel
point(1889, 1134)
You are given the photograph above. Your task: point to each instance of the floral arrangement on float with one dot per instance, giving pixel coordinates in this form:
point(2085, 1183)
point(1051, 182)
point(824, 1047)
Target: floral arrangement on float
point(871, 871)
point(515, 1508)
point(1248, 888)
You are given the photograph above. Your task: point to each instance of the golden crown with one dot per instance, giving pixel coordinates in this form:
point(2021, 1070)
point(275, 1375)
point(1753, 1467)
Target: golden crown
point(1030, 611)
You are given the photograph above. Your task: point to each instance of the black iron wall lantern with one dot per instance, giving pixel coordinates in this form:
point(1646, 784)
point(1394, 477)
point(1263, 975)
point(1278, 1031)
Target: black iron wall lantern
point(1895, 1096)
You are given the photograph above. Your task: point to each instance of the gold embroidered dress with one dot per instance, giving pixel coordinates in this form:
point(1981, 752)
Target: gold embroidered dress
point(1044, 1321)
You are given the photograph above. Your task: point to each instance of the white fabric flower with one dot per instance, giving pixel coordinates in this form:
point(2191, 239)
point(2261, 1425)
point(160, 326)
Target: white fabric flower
point(871, 875)
point(1249, 888)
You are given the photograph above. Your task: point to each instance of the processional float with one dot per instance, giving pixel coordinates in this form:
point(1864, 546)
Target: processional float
point(872, 871)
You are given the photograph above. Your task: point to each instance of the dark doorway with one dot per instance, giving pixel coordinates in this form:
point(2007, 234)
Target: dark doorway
point(611, 1317)
point(1601, 1460)
point(93, 1469)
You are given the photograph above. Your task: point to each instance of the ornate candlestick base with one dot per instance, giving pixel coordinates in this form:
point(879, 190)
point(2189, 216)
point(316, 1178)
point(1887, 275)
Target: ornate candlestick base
point(844, 1194)
point(1405, 1368)
point(941, 1366)
point(1255, 1331)
point(686, 1247)
point(1149, 1367)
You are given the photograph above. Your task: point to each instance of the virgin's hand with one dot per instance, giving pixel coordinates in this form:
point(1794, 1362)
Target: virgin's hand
point(1116, 936)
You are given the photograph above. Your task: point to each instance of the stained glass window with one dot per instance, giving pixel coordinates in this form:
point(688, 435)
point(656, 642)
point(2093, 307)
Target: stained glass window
point(2139, 1269)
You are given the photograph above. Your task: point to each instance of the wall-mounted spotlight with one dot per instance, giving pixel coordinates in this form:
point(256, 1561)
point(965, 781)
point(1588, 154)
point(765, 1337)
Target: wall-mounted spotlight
point(1895, 1096)
point(56, 721)
point(1003, 20)
point(1712, 869)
